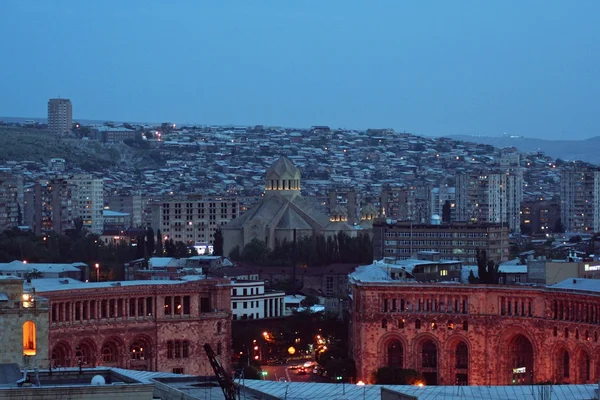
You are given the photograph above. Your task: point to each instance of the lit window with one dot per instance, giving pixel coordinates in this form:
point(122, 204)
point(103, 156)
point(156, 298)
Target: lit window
point(29, 342)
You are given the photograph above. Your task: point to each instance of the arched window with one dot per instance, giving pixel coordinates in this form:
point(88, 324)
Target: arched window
point(429, 355)
point(595, 336)
point(29, 339)
point(555, 331)
point(566, 333)
point(418, 324)
point(395, 354)
point(401, 323)
point(107, 353)
point(465, 326)
point(462, 356)
point(566, 364)
point(576, 333)
point(587, 335)
point(450, 325)
point(384, 323)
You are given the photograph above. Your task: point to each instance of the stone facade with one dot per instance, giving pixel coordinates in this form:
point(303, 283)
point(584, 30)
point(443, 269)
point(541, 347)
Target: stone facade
point(475, 334)
point(143, 325)
point(21, 312)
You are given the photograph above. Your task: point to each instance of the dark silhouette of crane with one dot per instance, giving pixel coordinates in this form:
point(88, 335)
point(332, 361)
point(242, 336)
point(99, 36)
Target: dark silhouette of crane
point(230, 390)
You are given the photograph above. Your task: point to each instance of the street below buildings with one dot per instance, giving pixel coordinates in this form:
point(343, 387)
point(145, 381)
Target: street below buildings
point(290, 373)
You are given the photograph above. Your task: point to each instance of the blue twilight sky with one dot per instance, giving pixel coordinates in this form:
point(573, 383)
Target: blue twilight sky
point(429, 67)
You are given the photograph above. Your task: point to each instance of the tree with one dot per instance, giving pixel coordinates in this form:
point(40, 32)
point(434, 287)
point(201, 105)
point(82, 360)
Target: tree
point(149, 242)
point(33, 274)
point(472, 278)
point(559, 227)
point(170, 248)
point(218, 243)
point(397, 376)
point(446, 212)
point(487, 269)
point(159, 244)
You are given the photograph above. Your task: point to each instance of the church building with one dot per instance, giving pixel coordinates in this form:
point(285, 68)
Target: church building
point(281, 211)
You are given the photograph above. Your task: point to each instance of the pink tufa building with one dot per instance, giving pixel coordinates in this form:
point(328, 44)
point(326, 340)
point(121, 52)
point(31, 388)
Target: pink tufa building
point(456, 334)
point(141, 325)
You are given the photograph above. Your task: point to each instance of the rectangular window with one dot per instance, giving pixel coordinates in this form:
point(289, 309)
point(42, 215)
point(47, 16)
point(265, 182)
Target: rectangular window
point(186, 305)
point(204, 304)
point(177, 349)
point(177, 305)
point(185, 349)
point(245, 304)
point(170, 349)
point(234, 305)
point(245, 292)
point(149, 306)
point(167, 307)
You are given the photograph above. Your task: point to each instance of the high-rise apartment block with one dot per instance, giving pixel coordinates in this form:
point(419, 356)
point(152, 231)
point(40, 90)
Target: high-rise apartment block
point(439, 196)
point(490, 197)
point(11, 199)
point(540, 216)
point(411, 203)
point(192, 219)
point(580, 199)
point(89, 201)
point(60, 116)
point(455, 241)
point(131, 204)
point(50, 206)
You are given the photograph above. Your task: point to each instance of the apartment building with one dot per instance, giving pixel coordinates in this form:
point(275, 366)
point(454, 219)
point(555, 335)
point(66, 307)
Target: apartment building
point(192, 219)
point(131, 204)
point(490, 197)
point(580, 199)
point(50, 206)
point(539, 216)
point(411, 203)
point(60, 116)
point(89, 201)
point(455, 241)
point(439, 196)
point(11, 199)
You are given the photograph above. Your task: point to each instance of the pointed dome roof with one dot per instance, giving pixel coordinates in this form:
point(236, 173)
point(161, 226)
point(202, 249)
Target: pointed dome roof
point(283, 168)
point(339, 210)
point(369, 210)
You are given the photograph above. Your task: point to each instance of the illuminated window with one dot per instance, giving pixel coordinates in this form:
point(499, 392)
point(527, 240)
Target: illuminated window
point(29, 342)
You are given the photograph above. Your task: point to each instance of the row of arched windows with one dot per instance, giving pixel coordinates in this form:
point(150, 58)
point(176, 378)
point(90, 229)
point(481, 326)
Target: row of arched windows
point(586, 334)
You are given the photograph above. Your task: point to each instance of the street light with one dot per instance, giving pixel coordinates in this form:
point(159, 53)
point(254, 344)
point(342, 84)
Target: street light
point(97, 272)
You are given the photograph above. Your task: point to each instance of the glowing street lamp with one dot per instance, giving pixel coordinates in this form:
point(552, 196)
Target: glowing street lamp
point(97, 272)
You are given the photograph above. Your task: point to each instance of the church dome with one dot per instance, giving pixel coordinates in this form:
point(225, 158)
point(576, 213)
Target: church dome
point(283, 168)
point(283, 175)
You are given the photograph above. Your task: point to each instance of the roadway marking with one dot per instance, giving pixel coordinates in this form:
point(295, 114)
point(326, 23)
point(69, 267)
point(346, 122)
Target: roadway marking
point(287, 374)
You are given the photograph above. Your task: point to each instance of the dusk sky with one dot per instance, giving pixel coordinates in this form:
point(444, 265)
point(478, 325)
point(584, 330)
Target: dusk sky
point(527, 68)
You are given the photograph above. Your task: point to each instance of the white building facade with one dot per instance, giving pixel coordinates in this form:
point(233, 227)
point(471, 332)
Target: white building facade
point(249, 300)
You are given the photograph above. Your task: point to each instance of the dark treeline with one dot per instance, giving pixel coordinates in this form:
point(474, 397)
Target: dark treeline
point(79, 245)
point(313, 251)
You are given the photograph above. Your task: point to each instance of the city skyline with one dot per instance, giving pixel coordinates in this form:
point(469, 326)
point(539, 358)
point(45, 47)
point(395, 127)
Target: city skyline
point(482, 69)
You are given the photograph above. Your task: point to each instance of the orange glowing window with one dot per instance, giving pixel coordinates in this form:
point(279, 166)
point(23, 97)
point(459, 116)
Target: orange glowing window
point(29, 342)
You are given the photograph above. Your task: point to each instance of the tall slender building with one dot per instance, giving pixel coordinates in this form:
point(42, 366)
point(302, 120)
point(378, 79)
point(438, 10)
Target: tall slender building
point(11, 199)
point(60, 116)
point(580, 199)
point(490, 197)
point(89, 201)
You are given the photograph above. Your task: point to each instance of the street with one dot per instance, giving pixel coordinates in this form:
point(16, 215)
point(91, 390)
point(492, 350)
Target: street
point(276, 372)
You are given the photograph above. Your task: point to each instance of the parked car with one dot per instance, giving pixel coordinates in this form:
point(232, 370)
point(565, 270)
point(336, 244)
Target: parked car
point(301, 371)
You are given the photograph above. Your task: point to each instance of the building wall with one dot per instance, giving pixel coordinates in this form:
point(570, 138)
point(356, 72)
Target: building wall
point(502, 327)
point(89, 201)
point(258, 303)
point(137, 318)
point(456, 241)
point(60, 116)
point(192, 219)
point(11, 200)
point(13, 315)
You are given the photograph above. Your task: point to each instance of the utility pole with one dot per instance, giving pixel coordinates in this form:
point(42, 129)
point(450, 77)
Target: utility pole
point(294, 260)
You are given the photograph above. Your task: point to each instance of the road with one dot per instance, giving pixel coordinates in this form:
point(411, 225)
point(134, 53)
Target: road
point(275, 372)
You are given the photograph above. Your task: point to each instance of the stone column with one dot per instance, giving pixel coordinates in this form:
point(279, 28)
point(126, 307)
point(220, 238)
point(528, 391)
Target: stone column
point(81, 311)
point(62, 312)
point(135, 301)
